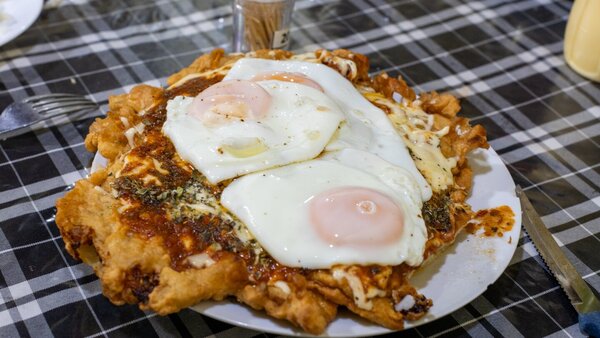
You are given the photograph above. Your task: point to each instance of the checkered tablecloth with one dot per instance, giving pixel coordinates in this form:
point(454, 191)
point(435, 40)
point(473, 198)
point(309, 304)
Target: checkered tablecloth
point(503, 58)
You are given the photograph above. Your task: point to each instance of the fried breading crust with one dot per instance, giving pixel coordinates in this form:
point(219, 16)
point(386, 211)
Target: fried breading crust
point(140, 266)
point(178, 290)
point(307, 309)
point(87, 216)
point(386, 85)
point(107, 135)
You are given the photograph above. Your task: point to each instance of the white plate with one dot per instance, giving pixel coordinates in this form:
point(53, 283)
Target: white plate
point(470, 265)
point(17, 16)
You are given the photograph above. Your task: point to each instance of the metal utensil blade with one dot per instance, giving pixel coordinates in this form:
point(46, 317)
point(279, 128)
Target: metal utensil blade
point(581, 296)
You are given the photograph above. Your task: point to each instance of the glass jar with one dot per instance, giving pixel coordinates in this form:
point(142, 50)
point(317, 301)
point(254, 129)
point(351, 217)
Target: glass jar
point(261, 24)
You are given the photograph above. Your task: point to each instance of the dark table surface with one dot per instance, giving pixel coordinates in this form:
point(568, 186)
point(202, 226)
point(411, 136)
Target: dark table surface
point(502, 58)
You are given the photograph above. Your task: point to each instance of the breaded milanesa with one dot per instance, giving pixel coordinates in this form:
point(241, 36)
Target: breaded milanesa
point(155, 233)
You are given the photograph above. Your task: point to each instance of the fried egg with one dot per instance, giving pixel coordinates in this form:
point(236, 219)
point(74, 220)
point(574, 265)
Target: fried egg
point(321, 175)
point(237, 126)
point(349, 207)
point(365, 127)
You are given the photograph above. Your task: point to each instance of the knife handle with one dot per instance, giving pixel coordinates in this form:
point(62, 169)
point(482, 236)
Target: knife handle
point(589, 324)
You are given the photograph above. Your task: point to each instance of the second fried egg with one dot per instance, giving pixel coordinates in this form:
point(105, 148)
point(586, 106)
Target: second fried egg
point(349, 207)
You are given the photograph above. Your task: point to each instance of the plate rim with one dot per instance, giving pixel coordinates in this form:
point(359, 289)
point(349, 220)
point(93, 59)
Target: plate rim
point(23, 23)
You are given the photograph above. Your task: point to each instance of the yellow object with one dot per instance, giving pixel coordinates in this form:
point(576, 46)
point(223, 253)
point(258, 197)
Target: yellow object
point(245, 147)
point(582, 39)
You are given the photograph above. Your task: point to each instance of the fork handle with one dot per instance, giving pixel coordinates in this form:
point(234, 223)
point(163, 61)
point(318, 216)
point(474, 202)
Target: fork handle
point(9, 132)
point(15, 117)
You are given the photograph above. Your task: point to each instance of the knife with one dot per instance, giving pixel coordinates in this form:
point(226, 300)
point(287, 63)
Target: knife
point(579, 293)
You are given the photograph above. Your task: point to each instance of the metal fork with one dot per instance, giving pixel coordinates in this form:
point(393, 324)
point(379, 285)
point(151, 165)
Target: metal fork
point(19, 115)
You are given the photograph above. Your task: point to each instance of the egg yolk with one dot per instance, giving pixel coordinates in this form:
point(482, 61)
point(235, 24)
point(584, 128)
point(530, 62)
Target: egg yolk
point(356, 216)
point(288, 77)
point(230, 100)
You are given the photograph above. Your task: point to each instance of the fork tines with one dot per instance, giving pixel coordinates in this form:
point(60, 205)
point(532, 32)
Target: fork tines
point(36, 98)
point(58, 104)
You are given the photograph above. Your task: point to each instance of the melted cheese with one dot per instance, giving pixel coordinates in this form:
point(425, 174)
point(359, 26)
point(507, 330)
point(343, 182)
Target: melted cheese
point(221, 71)
point(125, 204)
point(405, 304)
point(344, 66)
point(148, 179)
point(159, 167)
point(128, 162)
point(415, 127)
point(283, 286)
point(202, 208)
point(201, 260)
point(362, 299)
point(308, 57)
point(133, 165)
point(125, 121)
point(130, 133)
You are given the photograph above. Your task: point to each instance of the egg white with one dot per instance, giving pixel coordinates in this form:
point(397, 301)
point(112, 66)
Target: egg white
point(297, 127)
point(274, 205)
point(365, 126)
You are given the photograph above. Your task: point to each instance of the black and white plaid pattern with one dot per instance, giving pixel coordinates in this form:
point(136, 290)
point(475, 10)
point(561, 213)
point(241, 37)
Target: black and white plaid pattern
point(503, 58)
